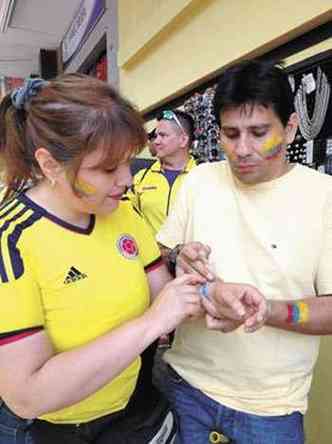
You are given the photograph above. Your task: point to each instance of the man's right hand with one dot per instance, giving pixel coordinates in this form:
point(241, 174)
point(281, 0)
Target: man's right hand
point(194, 258)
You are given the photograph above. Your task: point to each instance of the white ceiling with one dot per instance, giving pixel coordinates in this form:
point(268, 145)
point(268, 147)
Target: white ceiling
point(35, 24)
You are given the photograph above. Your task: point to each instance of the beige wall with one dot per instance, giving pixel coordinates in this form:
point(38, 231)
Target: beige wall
point(318, 421)
point(167, 46)
point(321, 47)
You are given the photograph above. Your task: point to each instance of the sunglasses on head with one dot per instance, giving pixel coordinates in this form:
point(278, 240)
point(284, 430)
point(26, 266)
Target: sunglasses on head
point(170, 115)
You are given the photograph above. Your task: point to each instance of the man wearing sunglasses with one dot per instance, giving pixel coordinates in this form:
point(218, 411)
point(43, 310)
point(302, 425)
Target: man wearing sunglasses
point(155, 187)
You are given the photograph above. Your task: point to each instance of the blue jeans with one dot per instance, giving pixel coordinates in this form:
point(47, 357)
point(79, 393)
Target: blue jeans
point(13, 430)
point(202, 420)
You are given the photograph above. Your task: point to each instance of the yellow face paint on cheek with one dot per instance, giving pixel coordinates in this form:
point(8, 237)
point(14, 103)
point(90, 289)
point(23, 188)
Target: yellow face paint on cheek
point(272, 146)
point(84, 187)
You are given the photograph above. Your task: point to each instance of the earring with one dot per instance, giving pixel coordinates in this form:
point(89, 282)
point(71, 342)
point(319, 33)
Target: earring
point(52, 182)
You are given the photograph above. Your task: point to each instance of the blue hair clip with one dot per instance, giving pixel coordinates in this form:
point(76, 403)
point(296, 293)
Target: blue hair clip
point(21, 96)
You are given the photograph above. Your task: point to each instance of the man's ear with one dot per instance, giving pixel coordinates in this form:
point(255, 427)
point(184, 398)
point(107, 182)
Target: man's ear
point(291, 127)
point(185, 139)
point(49, 167)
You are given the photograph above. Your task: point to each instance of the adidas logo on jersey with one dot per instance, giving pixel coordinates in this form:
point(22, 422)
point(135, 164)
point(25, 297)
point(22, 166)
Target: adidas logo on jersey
point(74, 275)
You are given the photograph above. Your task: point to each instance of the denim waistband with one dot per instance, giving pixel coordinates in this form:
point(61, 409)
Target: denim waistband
point(21, 421)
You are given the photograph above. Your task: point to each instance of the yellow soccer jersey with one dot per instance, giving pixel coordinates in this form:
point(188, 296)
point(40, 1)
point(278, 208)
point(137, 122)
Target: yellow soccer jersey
point(153, 197)
point(75, 283)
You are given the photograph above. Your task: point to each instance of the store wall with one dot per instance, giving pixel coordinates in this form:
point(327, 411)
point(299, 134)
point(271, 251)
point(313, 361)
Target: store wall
point(319, 48)
point(166, 47)
point(106, 26)
point(90, 43)
point(318, 419)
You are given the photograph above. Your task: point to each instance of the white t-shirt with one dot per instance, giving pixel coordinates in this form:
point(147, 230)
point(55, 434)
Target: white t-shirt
point(276, 236)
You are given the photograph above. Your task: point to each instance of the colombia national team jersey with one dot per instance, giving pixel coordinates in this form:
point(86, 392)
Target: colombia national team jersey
point(76, 284)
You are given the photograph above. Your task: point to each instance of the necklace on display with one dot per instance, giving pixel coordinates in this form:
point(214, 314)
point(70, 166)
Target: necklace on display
point(311, 127)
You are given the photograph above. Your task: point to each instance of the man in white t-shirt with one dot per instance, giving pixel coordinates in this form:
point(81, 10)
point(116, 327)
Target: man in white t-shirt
point(268, 224)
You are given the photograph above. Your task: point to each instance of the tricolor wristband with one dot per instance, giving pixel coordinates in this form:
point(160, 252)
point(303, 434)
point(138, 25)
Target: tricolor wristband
point(297, 313)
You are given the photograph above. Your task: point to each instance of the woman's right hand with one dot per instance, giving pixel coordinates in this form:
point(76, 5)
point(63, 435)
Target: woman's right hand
point(177, 301)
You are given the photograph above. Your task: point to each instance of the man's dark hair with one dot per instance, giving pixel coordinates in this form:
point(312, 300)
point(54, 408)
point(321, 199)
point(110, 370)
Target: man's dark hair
point(186, 121)
point(254, 82)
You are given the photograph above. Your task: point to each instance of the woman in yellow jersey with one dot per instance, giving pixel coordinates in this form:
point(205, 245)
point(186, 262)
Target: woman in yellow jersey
point(82, 287)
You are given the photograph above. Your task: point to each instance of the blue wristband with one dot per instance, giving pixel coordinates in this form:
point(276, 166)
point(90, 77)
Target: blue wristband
point(204, 290)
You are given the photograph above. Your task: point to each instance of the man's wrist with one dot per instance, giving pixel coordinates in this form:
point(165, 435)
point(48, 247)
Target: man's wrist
point(172, 258)
point(215, 288)
point(269, 310)
point(276, 313)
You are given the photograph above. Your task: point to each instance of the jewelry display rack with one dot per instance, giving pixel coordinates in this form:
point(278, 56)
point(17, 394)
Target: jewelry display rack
point(312, 86)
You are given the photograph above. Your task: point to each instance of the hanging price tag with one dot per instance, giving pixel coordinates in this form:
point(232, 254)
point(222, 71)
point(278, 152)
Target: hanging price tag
point(309, 83)
point(309, 151)
point(329, 147)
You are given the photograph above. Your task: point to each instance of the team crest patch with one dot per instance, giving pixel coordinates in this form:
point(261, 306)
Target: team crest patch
point(127, 246)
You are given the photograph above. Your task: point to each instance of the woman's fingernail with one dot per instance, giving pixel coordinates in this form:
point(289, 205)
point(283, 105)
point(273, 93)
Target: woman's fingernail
point(241, 312)
point(249, 329)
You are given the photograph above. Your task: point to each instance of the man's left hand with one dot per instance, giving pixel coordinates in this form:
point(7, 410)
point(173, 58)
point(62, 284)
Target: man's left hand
point(237, 304)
